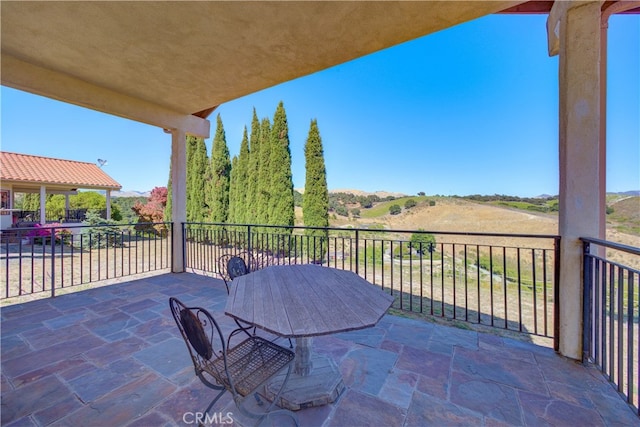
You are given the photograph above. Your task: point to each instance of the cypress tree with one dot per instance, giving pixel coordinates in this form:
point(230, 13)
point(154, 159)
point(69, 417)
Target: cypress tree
point(197, 165)
point(242, 180)
point(220, 172)
point(281, 206)
point(251, 213)
point(169, 206)
point(233, 191)
point(315, 202)
point(264, 181)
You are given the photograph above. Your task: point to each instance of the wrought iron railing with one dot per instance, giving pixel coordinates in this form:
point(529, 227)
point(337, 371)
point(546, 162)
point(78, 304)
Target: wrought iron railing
point(69, 215)
point(611, 337)
point(506, 281)
point(45, 260)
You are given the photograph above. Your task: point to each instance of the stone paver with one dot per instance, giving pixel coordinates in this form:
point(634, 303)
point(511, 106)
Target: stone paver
point(112, 356)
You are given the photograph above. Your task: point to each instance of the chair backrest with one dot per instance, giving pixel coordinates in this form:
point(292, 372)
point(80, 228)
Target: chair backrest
point(231, 266)
point(236, 266)
point(201, 334)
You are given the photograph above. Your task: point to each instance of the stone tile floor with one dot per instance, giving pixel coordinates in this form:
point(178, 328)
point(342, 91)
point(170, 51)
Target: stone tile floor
point(112, 356)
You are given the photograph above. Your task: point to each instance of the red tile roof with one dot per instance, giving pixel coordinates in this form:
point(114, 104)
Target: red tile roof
point(24, 168)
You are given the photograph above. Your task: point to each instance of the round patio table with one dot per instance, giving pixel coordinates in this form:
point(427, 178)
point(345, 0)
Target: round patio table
point(300, 302)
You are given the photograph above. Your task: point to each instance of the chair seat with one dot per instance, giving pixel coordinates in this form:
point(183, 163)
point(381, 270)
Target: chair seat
point(251, 363)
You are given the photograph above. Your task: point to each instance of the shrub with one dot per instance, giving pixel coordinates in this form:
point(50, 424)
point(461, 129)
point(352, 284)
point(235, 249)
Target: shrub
point(103, 233)
point(409, 204)
point(42, 234)
point(395, 209)
point(402, 252)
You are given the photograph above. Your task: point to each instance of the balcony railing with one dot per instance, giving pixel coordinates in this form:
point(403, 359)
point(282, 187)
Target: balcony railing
point(69, 215)
point(45, 260)
point(611, 300)
point(506, 281)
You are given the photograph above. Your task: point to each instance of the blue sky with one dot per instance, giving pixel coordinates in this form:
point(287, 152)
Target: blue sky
point(469, 110)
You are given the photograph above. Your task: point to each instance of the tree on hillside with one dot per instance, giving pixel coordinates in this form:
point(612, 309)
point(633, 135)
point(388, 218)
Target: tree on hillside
point(220, 170)
point(125, 205)
point(251, 213)
point(264, 181)
point(315, 203)
point(281, 208)
point(395, 209)
point(197, 167)
point(422, 242)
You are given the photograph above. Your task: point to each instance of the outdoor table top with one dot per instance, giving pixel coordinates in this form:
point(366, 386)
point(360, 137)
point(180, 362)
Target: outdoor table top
point(306, 300)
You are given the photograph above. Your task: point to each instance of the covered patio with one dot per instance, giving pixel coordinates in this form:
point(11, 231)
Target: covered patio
point(138, 60)
point(113, 355)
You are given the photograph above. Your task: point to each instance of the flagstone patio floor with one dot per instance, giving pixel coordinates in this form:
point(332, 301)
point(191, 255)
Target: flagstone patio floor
point(113, 356)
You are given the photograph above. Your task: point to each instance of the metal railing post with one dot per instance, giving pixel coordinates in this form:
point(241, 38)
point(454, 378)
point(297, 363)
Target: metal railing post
point(184, 247)
point(556, 294)
point(357, 250)
point(53, 261)
point(587, 285)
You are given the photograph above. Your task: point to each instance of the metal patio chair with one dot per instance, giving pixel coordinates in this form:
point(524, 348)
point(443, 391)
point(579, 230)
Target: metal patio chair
point(232, 266)
point(242, 369)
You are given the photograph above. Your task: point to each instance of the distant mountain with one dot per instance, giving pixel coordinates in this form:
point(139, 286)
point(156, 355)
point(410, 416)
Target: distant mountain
point(131, 193)
point(380, 193)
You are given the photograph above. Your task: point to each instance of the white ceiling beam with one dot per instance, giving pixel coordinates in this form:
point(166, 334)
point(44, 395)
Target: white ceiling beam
point(41, 81)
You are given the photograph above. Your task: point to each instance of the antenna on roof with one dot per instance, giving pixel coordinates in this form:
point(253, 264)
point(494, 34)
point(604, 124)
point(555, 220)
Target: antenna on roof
point(102, 162)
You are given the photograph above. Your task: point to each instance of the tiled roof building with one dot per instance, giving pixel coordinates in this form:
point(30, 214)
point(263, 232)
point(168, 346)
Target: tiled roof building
point(21, 169)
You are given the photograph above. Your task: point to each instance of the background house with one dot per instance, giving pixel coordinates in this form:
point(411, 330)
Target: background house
point(22, 173)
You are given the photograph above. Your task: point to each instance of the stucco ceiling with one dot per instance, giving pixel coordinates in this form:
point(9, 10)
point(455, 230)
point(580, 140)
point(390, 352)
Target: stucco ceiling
point(189, 57)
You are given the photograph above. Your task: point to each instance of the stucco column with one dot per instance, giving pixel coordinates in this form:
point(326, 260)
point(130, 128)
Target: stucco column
point(581, 157)
point(178, 195)
point(43, 205)
point(108, 204)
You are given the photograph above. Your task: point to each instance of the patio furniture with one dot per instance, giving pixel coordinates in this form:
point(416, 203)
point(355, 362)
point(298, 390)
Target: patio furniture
point(235, 266)
point(231, 266)
point(303, 301)
point(242, 369)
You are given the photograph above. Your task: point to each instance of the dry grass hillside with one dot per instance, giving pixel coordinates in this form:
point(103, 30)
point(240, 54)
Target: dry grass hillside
point(459, 215)
point(452, 214)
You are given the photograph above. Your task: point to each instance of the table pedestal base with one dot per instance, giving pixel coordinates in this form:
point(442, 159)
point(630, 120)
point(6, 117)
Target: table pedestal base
point(320, 387)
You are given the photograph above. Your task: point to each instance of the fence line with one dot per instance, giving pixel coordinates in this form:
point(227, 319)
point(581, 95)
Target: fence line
point(37, 260)
point(505, 281)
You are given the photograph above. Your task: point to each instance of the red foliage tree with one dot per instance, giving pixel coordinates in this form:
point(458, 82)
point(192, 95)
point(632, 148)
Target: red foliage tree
point(152, 211)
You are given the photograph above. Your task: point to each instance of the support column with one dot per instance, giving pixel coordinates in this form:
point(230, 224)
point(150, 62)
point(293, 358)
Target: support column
point(108, 205)
point(581, 157)
point(43, 205)
point(178, 195)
